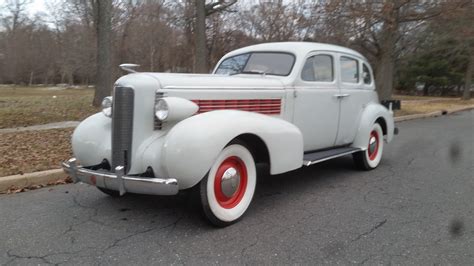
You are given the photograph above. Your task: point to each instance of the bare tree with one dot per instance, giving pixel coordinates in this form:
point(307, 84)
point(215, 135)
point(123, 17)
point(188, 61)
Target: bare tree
point(103, 24)
point(459, 26)
point(200, 64)
point(202, 10)
point(376, 26)
point(168, 35)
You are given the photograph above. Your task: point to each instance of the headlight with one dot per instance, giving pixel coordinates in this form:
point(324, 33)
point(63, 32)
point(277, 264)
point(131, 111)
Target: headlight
point(174, 109)
point(107, 106)
point(161, 110)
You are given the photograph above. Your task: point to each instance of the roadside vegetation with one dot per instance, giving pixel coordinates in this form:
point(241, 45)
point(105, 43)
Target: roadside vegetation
point(32, 151)
point(26, 106)
point(418, 105)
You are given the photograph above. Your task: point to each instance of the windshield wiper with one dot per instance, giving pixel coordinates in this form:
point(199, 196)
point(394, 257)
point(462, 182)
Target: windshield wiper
point(253, 72)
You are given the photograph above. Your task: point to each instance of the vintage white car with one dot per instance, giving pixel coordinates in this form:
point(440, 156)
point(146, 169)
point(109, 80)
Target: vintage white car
point(288, 105)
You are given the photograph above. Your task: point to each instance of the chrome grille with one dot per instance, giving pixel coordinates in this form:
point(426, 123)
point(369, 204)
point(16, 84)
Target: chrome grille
point(157, 124)
point(122, 127)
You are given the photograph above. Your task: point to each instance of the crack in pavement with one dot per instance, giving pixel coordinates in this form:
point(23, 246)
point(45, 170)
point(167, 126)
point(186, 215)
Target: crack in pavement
point(42, 258)
point(117, 241)
point(16, 256)
point(377, 226)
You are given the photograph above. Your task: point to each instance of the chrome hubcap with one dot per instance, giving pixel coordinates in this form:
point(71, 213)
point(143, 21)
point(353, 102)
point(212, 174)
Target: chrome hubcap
point(372, 144)
point(230, 181)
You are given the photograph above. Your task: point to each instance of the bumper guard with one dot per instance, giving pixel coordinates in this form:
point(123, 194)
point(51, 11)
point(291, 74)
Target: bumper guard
point(118, 181)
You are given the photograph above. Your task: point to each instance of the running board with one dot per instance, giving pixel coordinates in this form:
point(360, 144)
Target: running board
point(321, 156)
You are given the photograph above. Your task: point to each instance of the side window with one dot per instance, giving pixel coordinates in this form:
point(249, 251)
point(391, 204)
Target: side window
point(366, 74)
point(318, 68)
point(349, 70)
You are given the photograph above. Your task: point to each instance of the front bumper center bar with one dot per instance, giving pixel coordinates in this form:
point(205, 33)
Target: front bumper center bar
point(118, 181)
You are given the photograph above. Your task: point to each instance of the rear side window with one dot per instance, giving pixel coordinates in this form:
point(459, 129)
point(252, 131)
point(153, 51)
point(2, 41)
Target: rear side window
point(366, 74)
point(318, 68)
point(349, 70)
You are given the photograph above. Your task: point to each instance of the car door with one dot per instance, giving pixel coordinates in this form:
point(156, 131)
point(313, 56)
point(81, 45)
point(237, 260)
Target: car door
point(355, 91)
point(316, 110)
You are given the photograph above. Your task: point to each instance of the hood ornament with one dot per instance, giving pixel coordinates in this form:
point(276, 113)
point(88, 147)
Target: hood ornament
point(129, 67)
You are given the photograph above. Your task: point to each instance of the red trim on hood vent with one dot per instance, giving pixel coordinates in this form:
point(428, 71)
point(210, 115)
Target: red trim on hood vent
point(263, 106)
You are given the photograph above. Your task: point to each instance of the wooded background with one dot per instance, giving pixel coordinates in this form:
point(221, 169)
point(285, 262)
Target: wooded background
point(415, 46)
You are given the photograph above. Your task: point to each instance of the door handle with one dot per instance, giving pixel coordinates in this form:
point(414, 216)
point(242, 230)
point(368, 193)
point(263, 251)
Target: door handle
point(340, 96)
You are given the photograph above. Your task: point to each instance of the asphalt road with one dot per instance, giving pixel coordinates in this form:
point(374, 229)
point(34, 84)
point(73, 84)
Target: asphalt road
point(416, 208)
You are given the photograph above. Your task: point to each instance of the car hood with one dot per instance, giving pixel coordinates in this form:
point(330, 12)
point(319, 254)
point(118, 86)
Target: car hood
point(214, 81)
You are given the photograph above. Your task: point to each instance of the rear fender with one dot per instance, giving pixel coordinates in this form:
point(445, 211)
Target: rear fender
point(372, 113)
point(191, 146)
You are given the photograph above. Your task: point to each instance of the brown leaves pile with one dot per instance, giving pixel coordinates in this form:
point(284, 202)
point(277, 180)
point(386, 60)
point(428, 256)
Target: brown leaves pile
point(32, 151)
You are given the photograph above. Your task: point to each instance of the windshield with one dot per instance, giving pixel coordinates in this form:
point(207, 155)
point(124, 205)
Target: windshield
point(268, 63)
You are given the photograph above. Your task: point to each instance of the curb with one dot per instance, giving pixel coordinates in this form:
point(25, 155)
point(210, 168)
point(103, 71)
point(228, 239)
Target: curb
point(466, 108)
point(417, 116)
point(31, 179)
point(432, 114)
point(57, 125)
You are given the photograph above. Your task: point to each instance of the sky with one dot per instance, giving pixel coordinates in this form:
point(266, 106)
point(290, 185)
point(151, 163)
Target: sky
point(34, 7)
point(37, 6)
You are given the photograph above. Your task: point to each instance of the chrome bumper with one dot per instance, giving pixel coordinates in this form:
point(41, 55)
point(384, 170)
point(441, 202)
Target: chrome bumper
point(119, 182)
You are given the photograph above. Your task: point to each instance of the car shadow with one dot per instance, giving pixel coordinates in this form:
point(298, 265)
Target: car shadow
point(186, 207)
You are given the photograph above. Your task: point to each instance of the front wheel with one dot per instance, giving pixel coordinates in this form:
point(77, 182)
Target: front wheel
point(227, 190)
point(370, 158)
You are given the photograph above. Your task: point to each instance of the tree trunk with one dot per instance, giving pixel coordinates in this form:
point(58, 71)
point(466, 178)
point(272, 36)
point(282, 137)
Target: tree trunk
point(31, 78)
point(426, 89)
point(386, 63)
point(63, 76)
point(104, 64)
point(468, 78)
point(200, 60)
point(70, 78)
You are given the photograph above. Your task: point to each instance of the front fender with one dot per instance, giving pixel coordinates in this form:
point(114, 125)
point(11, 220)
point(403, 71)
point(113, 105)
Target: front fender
point(191, 146)
point(91, 140)
point(371, 113)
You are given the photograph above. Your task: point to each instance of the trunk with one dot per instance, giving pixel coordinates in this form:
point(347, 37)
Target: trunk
point(63, 76)
point(70, 78)
point(426, 89)
point(468, 78)
point(386, 61)
point(384, 76)
point(104, 66)
point(200, 60)
point(152, 58)
point(123, 41)
point(31, 78)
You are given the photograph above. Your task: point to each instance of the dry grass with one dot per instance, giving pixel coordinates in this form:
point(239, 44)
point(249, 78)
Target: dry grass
point(26, 106)
point(417, 98)
point(419, 107)
point(31, 151)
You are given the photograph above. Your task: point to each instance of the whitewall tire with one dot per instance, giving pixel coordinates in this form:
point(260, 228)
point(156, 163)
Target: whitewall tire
point(371, 157)
point(227, 190)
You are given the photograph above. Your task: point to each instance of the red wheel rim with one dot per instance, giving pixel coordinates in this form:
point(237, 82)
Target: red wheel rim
point(373, 145)
point(226, 201)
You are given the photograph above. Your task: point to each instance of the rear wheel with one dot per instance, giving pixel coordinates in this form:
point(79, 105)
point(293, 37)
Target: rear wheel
point(227, 190)
point(370, 158)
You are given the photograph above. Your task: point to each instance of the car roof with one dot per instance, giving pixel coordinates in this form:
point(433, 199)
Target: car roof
point(297, 48)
